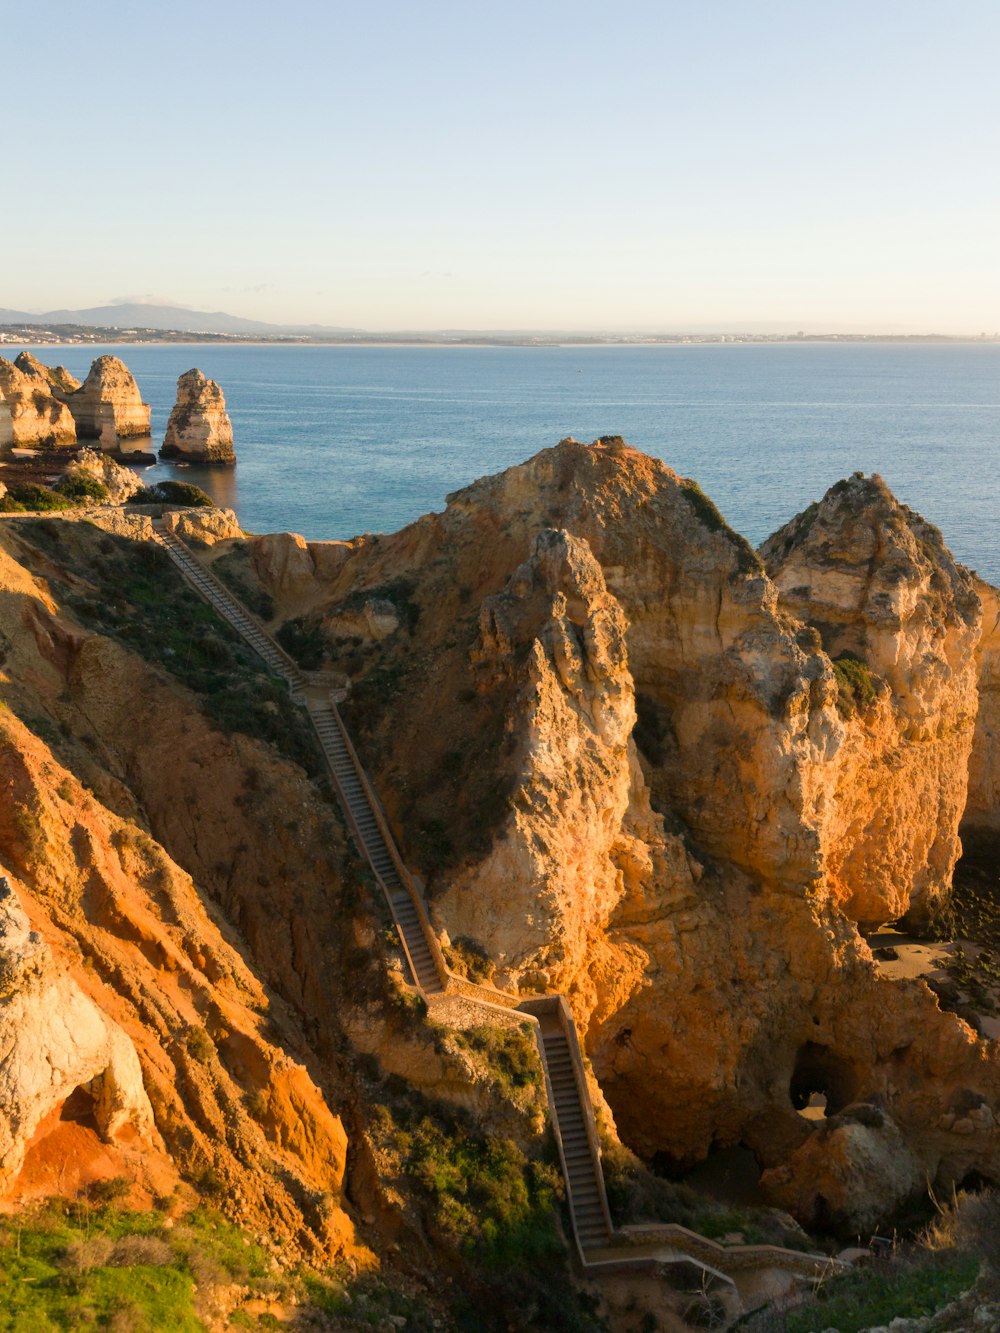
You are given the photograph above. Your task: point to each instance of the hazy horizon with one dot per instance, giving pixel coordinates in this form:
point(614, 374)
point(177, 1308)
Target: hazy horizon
point(560, 168)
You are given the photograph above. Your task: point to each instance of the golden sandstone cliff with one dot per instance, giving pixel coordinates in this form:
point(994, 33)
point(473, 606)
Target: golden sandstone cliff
point(632, 760)
point(695, 881)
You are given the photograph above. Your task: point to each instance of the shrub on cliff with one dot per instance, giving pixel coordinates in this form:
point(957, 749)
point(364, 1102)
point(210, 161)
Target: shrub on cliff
point(33, 499)
point(856, 686)
point(82, 487)
point(173, 493)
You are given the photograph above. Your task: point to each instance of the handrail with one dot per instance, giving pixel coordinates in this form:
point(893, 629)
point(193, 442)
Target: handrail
point(405, 878)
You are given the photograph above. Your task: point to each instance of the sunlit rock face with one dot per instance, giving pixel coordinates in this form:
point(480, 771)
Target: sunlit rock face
point(981, 823)
point(32, 417)
point(693, 879)
point(199, 428)
point(108, 405)
point(55, 1041)
point(901, 621)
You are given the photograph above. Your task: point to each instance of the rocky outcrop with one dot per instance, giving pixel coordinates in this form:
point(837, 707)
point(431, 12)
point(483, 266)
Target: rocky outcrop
point(37, 419)
point(121, 483)
point(900, 621)
point(981, 821)
point(56, 1043)
point(199, 428)
point(108, 407)
point(204, 526)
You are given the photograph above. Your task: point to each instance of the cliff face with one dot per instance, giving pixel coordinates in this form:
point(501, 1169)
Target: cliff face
point(982, 813)
point(108, 405)
point(135, 972)
point(37, 419)
point(199, 427)
point(901, 622)
point(693, 880)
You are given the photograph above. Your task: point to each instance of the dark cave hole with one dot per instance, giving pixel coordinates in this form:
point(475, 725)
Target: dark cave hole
point(79, 1108)
point(820, 1071)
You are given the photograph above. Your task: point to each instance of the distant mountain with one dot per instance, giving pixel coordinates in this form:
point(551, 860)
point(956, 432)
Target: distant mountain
point(137, 315)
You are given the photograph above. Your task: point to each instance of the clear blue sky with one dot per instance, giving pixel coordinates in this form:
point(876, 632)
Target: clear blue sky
point(545, 165)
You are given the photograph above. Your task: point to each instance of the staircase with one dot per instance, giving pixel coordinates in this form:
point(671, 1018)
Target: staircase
point(573, 1122)
point(218, 595)
point(374, 840)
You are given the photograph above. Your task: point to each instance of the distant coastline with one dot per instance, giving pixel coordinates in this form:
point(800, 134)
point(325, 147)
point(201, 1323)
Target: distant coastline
point(62, 335)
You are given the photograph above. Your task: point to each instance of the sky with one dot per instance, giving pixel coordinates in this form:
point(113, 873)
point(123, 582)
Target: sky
point(548, 165)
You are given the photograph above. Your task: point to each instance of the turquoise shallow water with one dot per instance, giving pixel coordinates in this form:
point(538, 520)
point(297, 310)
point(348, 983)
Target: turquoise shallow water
point(333, 441)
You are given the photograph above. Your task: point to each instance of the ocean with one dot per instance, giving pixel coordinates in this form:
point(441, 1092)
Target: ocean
point(334, 441)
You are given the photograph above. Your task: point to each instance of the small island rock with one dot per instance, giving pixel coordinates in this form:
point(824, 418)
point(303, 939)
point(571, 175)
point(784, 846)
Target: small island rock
point(199, 428)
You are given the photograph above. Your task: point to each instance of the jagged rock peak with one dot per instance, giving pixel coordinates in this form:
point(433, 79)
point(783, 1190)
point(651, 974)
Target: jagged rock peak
point(199, 427)
point(57, 378)
point(852, 555)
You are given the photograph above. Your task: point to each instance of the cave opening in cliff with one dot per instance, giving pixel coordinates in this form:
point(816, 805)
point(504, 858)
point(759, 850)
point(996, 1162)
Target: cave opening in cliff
point(79, 1108)
point(820, 1073)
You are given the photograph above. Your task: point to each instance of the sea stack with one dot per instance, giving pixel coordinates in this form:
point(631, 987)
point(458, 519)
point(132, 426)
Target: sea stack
point(108, 407)
point(199, 428)
point(33, 416)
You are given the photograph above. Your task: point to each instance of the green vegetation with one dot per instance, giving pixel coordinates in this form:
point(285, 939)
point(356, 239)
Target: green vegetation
point(82, 487)
point(468, 958)
point(857, 689)
point(304, 641)
point(709, 516)
point(510, 1054)
point(488, 1204)
point(879, 1293)
point(173, 493)
point(132, 591)
point(82, 1267)
point(33, 499)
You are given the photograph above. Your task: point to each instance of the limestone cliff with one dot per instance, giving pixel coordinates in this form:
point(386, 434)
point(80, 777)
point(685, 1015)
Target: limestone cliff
point(982, 813)
point(108, 407)
point(199, 428)
point(56, 1042)
point(901, 621)
point(694, 881)
point(38, 420)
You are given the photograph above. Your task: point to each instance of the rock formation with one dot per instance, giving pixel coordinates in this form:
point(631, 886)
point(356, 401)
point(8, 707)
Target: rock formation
point(37, 419)
point(694, 881)
point(120, 482)
point(55, 1042)
point(900, 622)
point(982, 813)
point(199, 428)
point(56, 378)
point(108, 407)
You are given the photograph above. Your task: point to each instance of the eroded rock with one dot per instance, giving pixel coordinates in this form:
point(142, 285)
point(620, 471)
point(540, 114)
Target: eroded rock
point(199, 428)
point(108, 407)
point(54, 1042)
point(37, 419)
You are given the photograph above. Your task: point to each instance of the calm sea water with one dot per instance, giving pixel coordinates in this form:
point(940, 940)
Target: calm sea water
point(334, 441)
